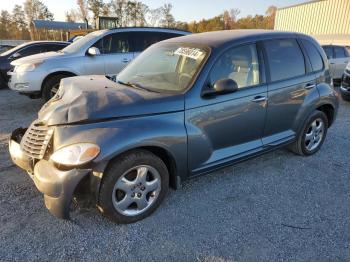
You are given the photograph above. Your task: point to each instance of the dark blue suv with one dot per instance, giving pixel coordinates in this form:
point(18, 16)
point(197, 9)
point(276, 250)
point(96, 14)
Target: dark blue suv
point(184, 107)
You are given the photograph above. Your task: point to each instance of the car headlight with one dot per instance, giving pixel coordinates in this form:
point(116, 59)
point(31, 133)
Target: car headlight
point(27, 67)
point(76, 154)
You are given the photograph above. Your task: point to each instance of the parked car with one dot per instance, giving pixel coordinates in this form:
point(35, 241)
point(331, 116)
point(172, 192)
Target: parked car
point(338, 57)
point(25, 50)
point(184, 107)
point(4, 48)
point(100, 52)
point(345, 85)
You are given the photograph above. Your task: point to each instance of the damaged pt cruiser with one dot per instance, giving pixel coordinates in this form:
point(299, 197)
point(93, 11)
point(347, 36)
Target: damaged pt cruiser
point(184, 107)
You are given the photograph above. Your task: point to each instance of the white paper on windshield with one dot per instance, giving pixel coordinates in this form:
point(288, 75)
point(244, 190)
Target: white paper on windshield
point(190, 52)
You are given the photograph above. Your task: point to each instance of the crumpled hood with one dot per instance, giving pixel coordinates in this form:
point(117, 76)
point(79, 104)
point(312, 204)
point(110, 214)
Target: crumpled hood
point(94, 98)
point(37, 57)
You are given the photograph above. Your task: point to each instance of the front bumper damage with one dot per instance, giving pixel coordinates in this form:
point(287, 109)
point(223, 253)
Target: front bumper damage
point(57, 186)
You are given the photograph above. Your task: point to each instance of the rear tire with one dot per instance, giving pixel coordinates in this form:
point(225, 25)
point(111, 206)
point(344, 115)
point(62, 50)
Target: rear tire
point(133, 186)
point(51, 86)
point(312, 136)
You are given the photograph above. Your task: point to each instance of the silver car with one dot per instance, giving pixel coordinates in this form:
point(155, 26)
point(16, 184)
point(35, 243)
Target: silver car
point(104, 52)
point(338, 57)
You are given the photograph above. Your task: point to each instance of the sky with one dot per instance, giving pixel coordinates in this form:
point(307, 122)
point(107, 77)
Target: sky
point(183, 10)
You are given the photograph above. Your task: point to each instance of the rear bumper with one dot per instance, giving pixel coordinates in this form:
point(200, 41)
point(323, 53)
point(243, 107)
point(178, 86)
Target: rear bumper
point(57, 186)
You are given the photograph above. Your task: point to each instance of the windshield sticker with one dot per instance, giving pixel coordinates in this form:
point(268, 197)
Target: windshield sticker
point(193, 53)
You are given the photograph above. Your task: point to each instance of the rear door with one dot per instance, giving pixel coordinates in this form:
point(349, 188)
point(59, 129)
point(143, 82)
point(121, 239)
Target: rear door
point(341, 59)
point(289, 82)
point(118, 51)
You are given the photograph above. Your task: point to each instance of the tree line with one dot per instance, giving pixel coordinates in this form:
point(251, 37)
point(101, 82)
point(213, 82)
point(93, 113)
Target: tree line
point(16, 25)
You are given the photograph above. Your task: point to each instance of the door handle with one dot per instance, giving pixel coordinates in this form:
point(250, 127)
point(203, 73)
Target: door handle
point(258, 99)
point(125, 60)
point(310, 86)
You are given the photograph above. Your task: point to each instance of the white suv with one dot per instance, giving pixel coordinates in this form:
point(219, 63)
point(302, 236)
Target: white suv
point(104, 52)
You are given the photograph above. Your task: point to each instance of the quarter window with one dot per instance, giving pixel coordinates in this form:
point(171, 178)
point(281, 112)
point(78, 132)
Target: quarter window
point(240, 64)
point(314, 55)
point(285, 59)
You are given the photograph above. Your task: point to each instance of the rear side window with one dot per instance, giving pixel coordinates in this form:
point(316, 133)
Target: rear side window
point(31, 50)
point(57, 47)
point(339, 52)
point(285, 59)
point(315, 57)
point(142, 40)
point(329, 51)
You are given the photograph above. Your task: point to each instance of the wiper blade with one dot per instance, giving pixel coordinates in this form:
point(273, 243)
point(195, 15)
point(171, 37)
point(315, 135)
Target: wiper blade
point(136, 85)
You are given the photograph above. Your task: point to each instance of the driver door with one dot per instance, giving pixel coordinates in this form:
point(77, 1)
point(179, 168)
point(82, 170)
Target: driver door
point(93, 65)
point(118, 52)
point(228, 126)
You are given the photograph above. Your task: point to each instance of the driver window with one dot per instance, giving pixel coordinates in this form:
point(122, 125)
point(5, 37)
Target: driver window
point(116, 43)
point(240, 64)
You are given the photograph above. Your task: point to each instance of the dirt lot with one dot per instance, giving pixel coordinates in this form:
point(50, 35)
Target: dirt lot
point(272, 208)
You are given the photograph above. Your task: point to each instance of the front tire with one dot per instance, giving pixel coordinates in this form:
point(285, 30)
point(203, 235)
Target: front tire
point(312, 136)
point(51, 86)
point(133, 186)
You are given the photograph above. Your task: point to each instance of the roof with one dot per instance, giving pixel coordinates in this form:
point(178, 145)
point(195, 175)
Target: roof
point(219, 38)
point(303, 3)
point(57, 25)
point(151, 28)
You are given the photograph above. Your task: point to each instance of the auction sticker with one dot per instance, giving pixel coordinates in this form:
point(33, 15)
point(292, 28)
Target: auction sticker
point(193, 53)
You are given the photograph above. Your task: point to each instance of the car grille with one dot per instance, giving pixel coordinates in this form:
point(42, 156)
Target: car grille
point(36, 140)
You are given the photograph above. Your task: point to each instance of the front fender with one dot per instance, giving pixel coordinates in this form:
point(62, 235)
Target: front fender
point(117, 136)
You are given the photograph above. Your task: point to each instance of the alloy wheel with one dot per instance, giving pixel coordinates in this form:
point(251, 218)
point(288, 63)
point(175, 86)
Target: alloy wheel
point(314, 134)
point(136, 190)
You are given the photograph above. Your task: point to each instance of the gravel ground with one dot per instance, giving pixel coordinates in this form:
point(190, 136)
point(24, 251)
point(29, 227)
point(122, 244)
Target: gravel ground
point(277, 207)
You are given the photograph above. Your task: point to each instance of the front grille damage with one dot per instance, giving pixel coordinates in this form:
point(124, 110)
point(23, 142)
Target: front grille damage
point(36, 140)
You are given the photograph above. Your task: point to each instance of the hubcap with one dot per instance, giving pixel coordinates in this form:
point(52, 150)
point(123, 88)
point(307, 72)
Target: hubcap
point(314, 134)
point(136, 190)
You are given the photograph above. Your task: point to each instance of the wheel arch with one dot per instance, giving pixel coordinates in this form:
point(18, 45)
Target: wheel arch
point(329, 111)
point(164, 154)
point(62, 72)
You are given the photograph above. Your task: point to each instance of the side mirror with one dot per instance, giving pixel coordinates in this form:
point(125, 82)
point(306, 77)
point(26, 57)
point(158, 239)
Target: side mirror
point(93, 51)
point(222, 86)
point(16, 56)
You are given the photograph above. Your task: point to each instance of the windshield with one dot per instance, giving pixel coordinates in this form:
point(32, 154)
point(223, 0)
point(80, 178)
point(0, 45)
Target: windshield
point(164, 67)
point(10, 51)
point(78, 44)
